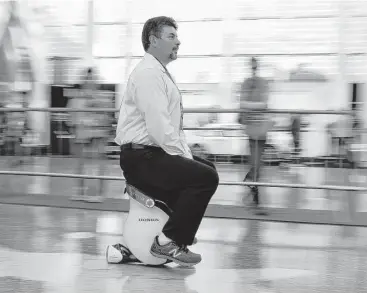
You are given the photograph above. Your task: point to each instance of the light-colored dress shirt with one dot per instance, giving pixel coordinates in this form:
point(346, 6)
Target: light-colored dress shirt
point(151, 110)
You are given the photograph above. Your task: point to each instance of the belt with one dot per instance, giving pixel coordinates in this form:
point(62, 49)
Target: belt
point(135, 146)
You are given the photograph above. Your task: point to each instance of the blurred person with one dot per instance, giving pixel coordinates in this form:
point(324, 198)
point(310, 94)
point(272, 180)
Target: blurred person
point(155, 157)
point(2, 120)
point(296, 130)
point(254, 97)
point(90, 130)
point(17, 126)
point(340, 133)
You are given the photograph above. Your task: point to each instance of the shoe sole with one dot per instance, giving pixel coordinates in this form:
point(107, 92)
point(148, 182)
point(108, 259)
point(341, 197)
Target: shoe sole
point(169, 258)
point(115, 263)
point(107, 249)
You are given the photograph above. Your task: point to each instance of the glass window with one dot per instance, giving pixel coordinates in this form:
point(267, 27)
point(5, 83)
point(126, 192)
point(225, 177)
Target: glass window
point(255, 8)
point(201, 38)
point(180, 10)
point(136, 44)
point(254, 36)
point(67, 12)
point(109, 10)
point(285, 36)
point(300, 8)
point(196, 70)
point(109, 40)
point(307, 35)
point(356, 35)
point(111, 70)
point(357, 66)
point(355, 7)
point(66, 41)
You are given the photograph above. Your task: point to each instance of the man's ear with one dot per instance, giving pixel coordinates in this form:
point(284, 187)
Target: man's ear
point(153, 40)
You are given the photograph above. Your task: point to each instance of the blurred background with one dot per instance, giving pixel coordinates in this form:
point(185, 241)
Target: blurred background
point(77, 55)
point(313, 53)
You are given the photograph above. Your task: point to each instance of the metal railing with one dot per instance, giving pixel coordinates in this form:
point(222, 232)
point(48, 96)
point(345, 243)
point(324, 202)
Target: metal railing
point(65, 111)
point(228, 183)
point(187, 110)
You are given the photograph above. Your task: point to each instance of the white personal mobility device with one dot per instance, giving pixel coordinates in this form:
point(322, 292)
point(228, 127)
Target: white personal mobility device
point(145, 220)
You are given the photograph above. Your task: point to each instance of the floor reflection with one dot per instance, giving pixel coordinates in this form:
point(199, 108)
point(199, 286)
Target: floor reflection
point(60, 250)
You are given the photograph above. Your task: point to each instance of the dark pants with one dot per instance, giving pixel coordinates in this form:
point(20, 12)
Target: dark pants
point(185, 185)
point(256, 150)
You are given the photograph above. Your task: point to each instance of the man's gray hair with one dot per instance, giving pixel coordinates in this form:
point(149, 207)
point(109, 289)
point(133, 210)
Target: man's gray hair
point(154, 26)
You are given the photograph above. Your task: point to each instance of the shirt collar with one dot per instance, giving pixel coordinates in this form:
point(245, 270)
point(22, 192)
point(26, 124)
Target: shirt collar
point(154, 61)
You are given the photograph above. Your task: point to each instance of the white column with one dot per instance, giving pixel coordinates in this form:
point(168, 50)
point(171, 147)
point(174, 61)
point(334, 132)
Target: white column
point(342, 81)
point(4, 18)
point(89, 34)
point(363, 95)
point(126, 51)
point(34, 37)
point(225, 95)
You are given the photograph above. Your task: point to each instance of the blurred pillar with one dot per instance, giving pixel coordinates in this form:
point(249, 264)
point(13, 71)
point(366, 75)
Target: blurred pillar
point(34, 39)
point(127, 52)
point(225, 92)
point(7, 62)
point(5, 12)
point(89, 37)
point(342, 80)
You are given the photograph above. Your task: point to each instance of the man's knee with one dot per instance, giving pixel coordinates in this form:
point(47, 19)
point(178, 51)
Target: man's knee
point(213, 179)
point(205, 162)
point(213, 166)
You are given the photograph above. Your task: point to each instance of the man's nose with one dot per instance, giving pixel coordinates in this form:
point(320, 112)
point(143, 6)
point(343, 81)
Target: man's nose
point(178, 42)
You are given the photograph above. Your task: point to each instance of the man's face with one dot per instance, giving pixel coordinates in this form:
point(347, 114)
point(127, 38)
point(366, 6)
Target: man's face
point(168, 43)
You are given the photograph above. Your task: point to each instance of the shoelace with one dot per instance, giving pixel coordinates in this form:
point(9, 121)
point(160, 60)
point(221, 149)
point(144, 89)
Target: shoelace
point(184, 248)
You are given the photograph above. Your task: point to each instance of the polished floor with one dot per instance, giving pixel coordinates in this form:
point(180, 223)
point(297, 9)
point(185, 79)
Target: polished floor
point(62, 250)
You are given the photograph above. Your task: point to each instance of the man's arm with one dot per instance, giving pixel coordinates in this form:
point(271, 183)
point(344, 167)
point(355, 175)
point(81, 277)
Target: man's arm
point(152, 100)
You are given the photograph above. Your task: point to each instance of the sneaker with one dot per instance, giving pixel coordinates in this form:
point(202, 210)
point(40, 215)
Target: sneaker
point(118, 254)
point(259, 210)
point(249, 198)
point(178, 254)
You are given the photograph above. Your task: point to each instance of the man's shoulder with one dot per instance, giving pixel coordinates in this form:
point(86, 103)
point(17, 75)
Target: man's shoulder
point(144, 70)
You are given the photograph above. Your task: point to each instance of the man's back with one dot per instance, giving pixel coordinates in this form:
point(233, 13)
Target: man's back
point(130, 126)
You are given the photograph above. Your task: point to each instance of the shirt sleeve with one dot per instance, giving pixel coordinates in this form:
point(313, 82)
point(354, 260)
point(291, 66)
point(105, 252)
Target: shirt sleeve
point(152, 100)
